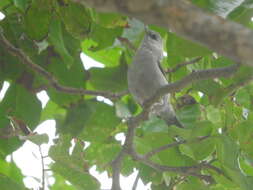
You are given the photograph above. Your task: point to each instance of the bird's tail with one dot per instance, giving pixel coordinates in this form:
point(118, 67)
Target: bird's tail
point(168, 114)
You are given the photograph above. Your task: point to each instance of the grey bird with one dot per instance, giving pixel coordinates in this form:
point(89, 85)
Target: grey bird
point(145, 77)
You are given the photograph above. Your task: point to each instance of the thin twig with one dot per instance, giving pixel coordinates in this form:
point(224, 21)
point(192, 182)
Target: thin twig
point(43, 169)
point(136, 181)
point(171, 145)
point(49, 77)
point(178, 66)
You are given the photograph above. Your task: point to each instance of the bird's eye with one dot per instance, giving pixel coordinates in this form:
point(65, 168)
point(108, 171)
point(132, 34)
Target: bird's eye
point(153, 36)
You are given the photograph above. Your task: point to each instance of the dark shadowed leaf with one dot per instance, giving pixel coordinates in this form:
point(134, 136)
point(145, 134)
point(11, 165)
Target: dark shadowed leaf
point(37, 19)
point(8, 183)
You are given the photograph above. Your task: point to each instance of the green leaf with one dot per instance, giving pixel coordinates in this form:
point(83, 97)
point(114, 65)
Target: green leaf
point(146, 144)
point(100, 154)
point(76, 118)
point(111, 20)
point(60, 183)
point(21, 4)
point(56, 39)
point(243, 97)
point(109, 79)
point(22, 104)
point(108, 37)
point(101, 123)
point(61, 73)
point(71, 167)
point(154, 124)
point(188, 115)
point(228, 153)
point(38, 139)
point(177, 46)
point(192, 183)
point(12, 171)
point(80, 179)
point(213, 114)
point(51, 111)
point(122, 110)
point(37, 19)
point(199, 150)
point(109, 57)
point(246, 166)
point(4, 3)
point(147, 173)
point(8, 183)
point(77, 19)
point(211, 89)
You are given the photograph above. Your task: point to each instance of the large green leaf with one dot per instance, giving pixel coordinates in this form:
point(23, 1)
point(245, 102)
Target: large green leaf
point(37, 19)
point(61, 73)
point(228, 153)
point(189, 115)
point(10, 170)
point(76, 118)
point(8, 183)
point(108, 37)
point(170, 157)
point(177, 46)
point(71, 167)
point(22, 104)
point(101, 154)
point(192, 183)
point(109, 56)
point(101, 122)
point(56, 39)
point(77, 19)
point(111, 20)
point(109, 79)
point(4, 3)
point(51, 111)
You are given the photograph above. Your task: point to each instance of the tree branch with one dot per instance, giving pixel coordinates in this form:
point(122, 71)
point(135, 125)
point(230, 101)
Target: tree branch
point(178, 66)
point(185, 19)
point(171, 145)
point(189, 79)
point(128, 148)
point(43, 169)
point(136, 181)
point(49, 77)
point(116, 166)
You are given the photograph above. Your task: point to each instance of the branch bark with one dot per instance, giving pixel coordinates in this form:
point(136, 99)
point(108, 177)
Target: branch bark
point(189, 79)
point(181, 17)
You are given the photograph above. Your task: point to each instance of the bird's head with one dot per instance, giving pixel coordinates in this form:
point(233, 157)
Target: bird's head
point(153, 41)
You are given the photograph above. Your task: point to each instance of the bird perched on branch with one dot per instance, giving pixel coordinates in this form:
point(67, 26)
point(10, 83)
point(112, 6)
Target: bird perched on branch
point(145, 77)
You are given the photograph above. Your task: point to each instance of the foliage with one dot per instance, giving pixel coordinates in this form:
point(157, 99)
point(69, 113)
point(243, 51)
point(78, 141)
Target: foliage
point(54, 32)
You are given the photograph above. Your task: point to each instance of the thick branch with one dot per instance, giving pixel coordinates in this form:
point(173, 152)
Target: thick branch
point(48, 76)
point(180, 16)
point(116, 166)
point(189, 79)
point(128, 148)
